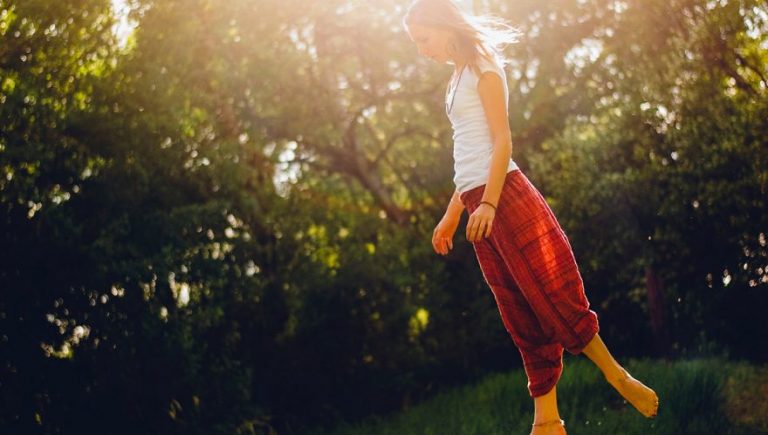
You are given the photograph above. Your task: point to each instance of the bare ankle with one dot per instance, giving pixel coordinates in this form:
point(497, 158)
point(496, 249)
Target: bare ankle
point(545, 419)
point(550, 423)
point(615, 373)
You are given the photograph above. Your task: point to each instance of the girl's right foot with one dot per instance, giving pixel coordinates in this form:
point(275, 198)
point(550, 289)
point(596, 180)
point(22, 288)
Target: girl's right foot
point(635, 392)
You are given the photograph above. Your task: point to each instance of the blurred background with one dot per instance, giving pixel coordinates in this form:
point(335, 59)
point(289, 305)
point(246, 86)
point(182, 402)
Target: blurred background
point(215, 216)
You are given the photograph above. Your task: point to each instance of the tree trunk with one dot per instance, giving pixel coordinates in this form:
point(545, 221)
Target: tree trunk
point(655, 291)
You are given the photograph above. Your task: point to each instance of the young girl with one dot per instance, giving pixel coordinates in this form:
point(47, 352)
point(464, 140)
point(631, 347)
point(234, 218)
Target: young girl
point(524, 255)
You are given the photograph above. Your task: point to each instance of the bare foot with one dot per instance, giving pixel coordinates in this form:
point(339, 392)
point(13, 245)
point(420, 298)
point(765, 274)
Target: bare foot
point(550, 427)
point(641, 397)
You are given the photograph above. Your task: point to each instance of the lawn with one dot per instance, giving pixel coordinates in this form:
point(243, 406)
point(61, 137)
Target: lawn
point(702, 396)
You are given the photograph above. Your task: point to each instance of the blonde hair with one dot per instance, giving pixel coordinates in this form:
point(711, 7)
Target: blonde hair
point(476, 35)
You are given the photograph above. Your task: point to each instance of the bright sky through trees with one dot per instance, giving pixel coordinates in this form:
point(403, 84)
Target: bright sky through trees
point(124, 26)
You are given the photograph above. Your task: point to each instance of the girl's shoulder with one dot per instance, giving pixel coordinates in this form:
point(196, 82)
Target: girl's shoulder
point(484, 64)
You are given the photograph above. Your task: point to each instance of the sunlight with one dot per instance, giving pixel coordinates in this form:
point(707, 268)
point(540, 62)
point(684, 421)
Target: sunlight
point(180, 290)
point(287, 171)
point(418, 322)
point(124, 26)
point(582, 55)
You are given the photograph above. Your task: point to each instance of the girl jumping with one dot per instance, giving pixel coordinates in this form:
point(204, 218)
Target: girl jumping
point(525, 257)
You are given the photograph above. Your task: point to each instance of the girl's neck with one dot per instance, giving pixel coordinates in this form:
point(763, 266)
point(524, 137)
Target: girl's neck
point(458, 64)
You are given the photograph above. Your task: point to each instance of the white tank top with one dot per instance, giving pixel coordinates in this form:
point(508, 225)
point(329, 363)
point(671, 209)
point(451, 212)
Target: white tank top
point(472, 146)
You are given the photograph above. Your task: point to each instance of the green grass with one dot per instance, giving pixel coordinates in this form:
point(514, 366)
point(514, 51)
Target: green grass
point(705, 396)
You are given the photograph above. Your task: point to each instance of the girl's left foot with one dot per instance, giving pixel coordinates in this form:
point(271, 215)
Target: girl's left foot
point(550, 427)
point(641, 397)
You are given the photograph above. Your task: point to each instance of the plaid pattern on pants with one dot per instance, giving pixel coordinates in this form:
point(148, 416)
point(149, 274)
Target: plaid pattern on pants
point(528, 263)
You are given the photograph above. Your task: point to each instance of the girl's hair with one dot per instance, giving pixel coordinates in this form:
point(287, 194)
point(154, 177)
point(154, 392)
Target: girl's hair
point(476, 35)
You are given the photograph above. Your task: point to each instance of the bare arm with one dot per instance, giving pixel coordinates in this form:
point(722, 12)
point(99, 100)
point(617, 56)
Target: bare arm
point(442, 236)
point(455, 207)
point(491, 90)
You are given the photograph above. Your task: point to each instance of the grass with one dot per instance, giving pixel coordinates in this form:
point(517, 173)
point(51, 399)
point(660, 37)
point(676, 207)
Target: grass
point(703, 396)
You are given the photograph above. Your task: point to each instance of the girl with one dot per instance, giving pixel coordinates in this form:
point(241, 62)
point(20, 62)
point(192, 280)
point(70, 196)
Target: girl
point(525, 257)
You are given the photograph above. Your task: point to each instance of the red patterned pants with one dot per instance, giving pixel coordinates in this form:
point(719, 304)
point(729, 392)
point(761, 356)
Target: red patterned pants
point(528, 263)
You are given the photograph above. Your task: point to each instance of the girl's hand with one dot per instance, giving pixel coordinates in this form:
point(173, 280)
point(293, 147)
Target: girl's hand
point(442, 236)
point(480, 221)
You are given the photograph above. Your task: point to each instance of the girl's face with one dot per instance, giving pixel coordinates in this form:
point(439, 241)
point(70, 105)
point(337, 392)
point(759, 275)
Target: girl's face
point(431, 42)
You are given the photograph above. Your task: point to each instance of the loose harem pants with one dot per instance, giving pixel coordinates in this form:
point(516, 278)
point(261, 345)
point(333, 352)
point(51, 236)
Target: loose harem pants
point(528, 263)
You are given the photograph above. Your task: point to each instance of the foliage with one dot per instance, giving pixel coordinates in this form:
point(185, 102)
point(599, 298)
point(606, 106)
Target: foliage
point(222, 224)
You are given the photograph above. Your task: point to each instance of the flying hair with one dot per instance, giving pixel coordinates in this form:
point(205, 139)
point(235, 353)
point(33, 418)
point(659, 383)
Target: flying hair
point(476, 35)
